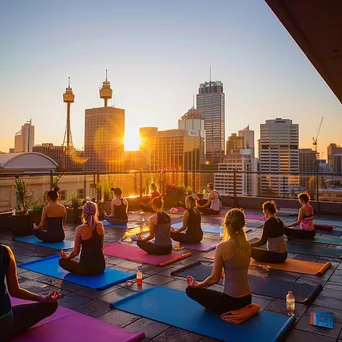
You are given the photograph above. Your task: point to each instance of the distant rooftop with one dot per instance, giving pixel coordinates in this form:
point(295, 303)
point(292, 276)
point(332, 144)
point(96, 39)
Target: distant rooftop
point(192, 113)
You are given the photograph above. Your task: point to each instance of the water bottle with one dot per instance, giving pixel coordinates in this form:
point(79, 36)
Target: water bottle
point(290, 304)
point(139, 276)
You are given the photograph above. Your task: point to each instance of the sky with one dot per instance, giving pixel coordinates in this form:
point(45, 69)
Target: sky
point(157, 53)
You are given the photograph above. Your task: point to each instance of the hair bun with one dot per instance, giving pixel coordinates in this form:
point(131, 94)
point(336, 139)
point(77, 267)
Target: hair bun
point(56, 189)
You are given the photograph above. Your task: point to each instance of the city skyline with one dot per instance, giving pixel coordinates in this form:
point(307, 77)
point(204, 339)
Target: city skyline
point(155, 62)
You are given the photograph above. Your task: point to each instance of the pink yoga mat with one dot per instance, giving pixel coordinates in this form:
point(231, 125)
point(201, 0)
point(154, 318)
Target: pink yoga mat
point(68, 325)
point(134, 253)
point(201, 247)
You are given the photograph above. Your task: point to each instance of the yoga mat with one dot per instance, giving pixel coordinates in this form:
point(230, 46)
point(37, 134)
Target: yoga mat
point(134, 253)
point(69, 325)
point(337, 223)
point(305, 248)
point(270, 287)
point(334, 232)
point(175, 308)
point(330, 240)
point(296, 266)
point(49, 266)
point(120, 226)
point(323, 227)
point(54, 245)
point(207, 228)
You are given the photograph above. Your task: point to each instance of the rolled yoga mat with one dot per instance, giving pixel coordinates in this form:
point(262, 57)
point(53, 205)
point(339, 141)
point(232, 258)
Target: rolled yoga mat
point(54, 245)
point(49, 266)
point(207, 228)
point(68, 325)
point(296, 266)
point(270, 287)
point(175, 308)
point(134, 253)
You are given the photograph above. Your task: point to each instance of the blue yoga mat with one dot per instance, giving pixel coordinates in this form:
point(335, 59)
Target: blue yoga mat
point(207, 228)
point(49, 266)
point(54, 245)
point(175, 308)
point(121, 226)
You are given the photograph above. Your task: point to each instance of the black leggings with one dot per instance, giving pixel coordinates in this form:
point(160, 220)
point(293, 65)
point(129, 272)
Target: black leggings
point(75, 267)
point(208, 211)
point(49, 235)
point(217, 302)
point(24, 317)
point(299, 233)
point(186, 238)
point(263, 255)
point(152, 248)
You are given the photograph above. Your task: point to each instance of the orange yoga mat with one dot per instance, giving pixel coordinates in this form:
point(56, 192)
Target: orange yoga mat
point(290, 265)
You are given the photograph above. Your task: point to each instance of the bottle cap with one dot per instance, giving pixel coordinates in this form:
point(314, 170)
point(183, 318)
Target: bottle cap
point(289, 292)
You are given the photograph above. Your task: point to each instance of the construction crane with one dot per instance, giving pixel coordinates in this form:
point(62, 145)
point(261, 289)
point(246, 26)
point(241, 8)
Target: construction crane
point(315, 140)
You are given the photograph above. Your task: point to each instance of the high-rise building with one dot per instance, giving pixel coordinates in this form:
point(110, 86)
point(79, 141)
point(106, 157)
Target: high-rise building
point(211, 105)
point(334, 153)
point(24, 139)
point(248, 136)
point(307, 164)
point(279, 153)
point(104, 135)
point(240, 160)
point(172, 149)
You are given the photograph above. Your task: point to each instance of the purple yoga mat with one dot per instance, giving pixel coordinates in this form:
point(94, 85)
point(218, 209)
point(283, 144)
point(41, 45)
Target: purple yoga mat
point(68, 325)
point(134, 253)
point(255, 217)
point(201, 247)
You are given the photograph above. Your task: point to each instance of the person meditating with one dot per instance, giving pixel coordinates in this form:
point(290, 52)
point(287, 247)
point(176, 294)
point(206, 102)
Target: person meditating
point(233, 255)
point(119, 208)
point(191, 223)
point(212, 207)
point(154, 194)
point(90, 236)
point(50, 228)
point(160, 229)
point(15, 320)
point(304, 220)
point(273, 234)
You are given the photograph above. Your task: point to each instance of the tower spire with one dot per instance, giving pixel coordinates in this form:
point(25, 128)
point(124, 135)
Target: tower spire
point(68, 98)
point(193, 100)
point(210, 73)
point(106, 92)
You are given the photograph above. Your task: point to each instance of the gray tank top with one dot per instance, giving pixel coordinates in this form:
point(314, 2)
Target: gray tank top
point(163, 230)
point(236, 275)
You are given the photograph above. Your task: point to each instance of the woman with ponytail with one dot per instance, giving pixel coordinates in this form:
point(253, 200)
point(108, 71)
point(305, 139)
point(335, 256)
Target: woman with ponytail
point(191, 223)
point(50, 228)
point(232, 255)
point(90, 236)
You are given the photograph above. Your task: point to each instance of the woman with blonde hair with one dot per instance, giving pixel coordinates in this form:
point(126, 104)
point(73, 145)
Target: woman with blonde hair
point(90, 236)
point(233, 255)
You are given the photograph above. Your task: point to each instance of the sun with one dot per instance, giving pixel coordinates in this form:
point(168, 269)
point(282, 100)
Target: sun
point(132, 141)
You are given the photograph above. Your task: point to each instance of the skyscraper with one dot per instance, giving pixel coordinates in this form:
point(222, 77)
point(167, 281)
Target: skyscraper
point(248, 137)
point(278, 153)
point(24, 139)
point(104, 135)
point(211, 105)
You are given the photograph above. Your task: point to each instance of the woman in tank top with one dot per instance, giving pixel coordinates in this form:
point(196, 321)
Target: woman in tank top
point(16, 319)
point(273, 235)
point(50, 228)
point(304, 220)
point(191, 223)
point(212, 207)
point(160, 230)
point(90, 236)
point(233, 255)
point(119, 208)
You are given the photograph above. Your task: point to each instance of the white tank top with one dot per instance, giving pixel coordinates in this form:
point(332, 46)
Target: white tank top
point(215, 203)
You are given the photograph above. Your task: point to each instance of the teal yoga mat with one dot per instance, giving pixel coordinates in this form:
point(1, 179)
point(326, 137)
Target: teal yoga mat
point(310, 249)
point(175, 308)
point(49, 266)
point(54, 245)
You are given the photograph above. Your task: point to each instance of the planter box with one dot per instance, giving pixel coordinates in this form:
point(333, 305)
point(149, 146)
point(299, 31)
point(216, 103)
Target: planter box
point(5, 220)
point(21, 225)
point(35, 217)
point(74, 216)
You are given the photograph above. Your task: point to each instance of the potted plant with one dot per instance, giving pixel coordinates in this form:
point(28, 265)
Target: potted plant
point(104, 187)
point(74, 212)
point(36, 212)
point(170, 197)
point(20, 218)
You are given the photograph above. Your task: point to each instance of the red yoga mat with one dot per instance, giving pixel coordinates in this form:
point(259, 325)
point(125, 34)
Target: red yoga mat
point(69, 325)
point(323, 227)
point(134, 253)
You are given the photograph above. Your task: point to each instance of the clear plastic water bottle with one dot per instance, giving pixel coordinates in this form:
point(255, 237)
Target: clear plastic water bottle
point(290, 304)
point(139, 276)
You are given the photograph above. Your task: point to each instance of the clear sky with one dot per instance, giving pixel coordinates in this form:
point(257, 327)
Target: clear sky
point(156, 52)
